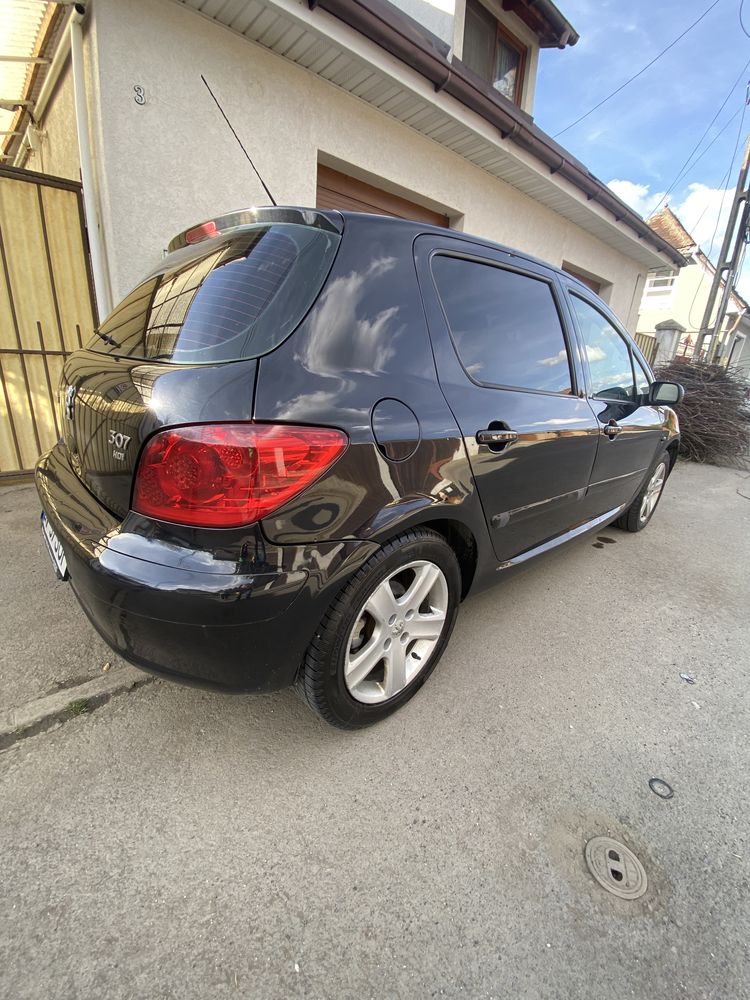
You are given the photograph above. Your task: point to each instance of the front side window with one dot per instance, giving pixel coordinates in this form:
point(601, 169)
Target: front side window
point(492, 52)
point(607, 353)
point(505, 326)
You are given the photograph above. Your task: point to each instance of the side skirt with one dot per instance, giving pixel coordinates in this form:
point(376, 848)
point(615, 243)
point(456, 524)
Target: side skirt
point(568, 536)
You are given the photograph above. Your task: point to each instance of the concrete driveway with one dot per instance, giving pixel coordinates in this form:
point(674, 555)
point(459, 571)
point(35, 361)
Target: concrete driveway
point(182, 844)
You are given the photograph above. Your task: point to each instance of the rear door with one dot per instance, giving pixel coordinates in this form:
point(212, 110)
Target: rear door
point(505, 365)
point(617, 384)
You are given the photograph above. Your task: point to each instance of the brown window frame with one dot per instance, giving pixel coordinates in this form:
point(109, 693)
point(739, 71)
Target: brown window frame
point(507, 36)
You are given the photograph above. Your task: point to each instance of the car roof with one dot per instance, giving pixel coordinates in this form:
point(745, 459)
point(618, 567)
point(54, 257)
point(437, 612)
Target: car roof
point(337, 220)
point(426, 228)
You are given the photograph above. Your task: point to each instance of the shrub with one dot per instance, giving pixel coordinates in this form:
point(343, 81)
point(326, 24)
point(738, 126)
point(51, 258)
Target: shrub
point(714, 417)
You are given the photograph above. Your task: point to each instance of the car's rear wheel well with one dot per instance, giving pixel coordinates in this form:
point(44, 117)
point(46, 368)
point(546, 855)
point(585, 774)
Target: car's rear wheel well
point(464, 545)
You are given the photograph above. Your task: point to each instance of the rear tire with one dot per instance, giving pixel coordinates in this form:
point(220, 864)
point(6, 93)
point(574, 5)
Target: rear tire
point(383, 635)
point(641, 510)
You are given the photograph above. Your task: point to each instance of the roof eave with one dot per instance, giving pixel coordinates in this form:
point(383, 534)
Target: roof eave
point(550, 25)
point(404, 38)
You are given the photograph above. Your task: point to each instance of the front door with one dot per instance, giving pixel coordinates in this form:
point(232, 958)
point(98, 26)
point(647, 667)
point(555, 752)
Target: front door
point(508, 374)
point(630, 429)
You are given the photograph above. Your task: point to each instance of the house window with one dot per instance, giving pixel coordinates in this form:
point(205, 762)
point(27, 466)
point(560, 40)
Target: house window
point(660, 283)
point(492, 52)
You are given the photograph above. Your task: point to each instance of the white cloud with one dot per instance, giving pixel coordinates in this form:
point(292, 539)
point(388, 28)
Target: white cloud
point(699, 212)
point(594, 353)
point(704, 212)
point(556, 360)
point(638, 196)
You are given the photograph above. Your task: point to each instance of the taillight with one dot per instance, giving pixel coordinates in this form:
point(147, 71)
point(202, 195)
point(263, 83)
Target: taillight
point(226, 475)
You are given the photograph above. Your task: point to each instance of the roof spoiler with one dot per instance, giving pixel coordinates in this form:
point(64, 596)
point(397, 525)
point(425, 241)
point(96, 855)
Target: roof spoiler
point(331, 222)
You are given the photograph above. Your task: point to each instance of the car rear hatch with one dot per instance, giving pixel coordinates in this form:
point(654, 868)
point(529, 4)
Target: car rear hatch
point(182, 347)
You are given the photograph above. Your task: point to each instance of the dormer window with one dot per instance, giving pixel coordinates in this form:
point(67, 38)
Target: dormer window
point(492, 52)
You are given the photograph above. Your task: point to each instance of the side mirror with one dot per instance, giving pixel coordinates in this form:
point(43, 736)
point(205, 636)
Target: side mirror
point(665, 393)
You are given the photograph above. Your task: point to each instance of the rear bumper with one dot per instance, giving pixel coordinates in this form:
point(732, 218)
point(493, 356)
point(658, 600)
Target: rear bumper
point(172, 611)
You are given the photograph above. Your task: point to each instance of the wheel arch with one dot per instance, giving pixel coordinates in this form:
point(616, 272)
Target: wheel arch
point(456, 533)
point(463, 543)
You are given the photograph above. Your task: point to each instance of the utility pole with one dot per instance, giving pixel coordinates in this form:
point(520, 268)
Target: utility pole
point(726, 270)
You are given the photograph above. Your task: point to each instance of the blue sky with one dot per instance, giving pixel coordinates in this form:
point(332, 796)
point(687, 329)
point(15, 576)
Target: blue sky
point(639, 140)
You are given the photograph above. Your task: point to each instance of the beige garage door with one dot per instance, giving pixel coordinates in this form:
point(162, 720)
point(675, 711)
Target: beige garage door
point(337, 190)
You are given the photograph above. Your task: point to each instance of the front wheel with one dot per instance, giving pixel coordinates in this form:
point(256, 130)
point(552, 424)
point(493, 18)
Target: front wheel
point(639, 513)
point(384, 634)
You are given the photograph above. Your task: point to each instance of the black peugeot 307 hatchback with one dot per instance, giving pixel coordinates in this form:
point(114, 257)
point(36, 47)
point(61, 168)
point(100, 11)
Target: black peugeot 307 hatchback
point(306, 436)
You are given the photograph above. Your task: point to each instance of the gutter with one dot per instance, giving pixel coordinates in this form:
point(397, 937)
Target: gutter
point(405, 39)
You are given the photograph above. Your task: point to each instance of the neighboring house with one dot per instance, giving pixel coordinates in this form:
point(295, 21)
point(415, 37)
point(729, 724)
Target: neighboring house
point(420, 108)
point(680, 296)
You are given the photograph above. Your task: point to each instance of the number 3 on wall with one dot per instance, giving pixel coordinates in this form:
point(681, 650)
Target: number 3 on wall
point(140, 94)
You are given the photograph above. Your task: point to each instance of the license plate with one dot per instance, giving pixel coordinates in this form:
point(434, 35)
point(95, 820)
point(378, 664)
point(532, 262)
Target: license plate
point(54, 548)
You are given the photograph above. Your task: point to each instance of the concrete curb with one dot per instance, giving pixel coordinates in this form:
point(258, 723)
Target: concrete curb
point(35, 714)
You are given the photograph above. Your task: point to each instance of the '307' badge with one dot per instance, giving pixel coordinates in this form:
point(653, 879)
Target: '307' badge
point(120, 442)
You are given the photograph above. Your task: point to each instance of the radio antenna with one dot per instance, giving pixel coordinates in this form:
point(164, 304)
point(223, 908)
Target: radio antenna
point(257, 172)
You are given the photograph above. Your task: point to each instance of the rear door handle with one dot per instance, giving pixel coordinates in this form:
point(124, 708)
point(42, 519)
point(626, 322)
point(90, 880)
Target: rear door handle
point(496, 437)
point(612, 429)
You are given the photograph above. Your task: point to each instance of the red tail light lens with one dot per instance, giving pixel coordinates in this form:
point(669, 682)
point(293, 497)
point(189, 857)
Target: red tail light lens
point(226, 475)
point(203, 232)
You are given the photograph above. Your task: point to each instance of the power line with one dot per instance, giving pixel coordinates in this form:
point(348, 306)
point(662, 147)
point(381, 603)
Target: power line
point(742, 23)
point(719, 134)
point(726, 178)
point(640, 71)
point(729, 177)
point(693, 151)
point(720, 186)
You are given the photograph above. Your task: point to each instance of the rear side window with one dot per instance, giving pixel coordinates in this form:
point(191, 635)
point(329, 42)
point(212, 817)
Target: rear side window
point(505, 326)
point(224, 300)
point(607, 353)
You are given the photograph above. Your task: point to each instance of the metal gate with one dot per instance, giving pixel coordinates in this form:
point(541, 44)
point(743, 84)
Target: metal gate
point(647, 343)
point(47, 307)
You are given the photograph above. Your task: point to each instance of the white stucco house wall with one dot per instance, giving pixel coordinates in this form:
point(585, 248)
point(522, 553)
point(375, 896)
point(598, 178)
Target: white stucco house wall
point(428, 102)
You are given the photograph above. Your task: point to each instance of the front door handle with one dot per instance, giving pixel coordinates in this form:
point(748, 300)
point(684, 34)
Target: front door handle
point(498, 437)
point(612, 429)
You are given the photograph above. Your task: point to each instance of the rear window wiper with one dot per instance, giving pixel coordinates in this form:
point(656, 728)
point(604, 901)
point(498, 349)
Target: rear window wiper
point(106, 338)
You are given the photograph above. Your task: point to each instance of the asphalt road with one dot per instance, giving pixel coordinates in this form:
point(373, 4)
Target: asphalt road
point(44, 643)
point(181, 844)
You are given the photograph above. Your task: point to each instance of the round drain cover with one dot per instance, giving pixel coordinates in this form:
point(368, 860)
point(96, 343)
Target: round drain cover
point(616, 868)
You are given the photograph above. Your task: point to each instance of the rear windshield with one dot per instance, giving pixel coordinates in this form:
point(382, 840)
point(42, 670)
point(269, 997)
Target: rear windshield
point(223, 301)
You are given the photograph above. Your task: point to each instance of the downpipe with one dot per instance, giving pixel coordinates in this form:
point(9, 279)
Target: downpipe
point(96, 247)
point(53, 75)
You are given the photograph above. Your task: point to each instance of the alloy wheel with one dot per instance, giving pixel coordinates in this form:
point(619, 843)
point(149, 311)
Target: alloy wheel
point(653, 492)
point(396, 632)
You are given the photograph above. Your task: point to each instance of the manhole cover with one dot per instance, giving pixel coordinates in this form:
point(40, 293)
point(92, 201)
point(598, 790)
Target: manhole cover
point(661, 788)
point(616, 868)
